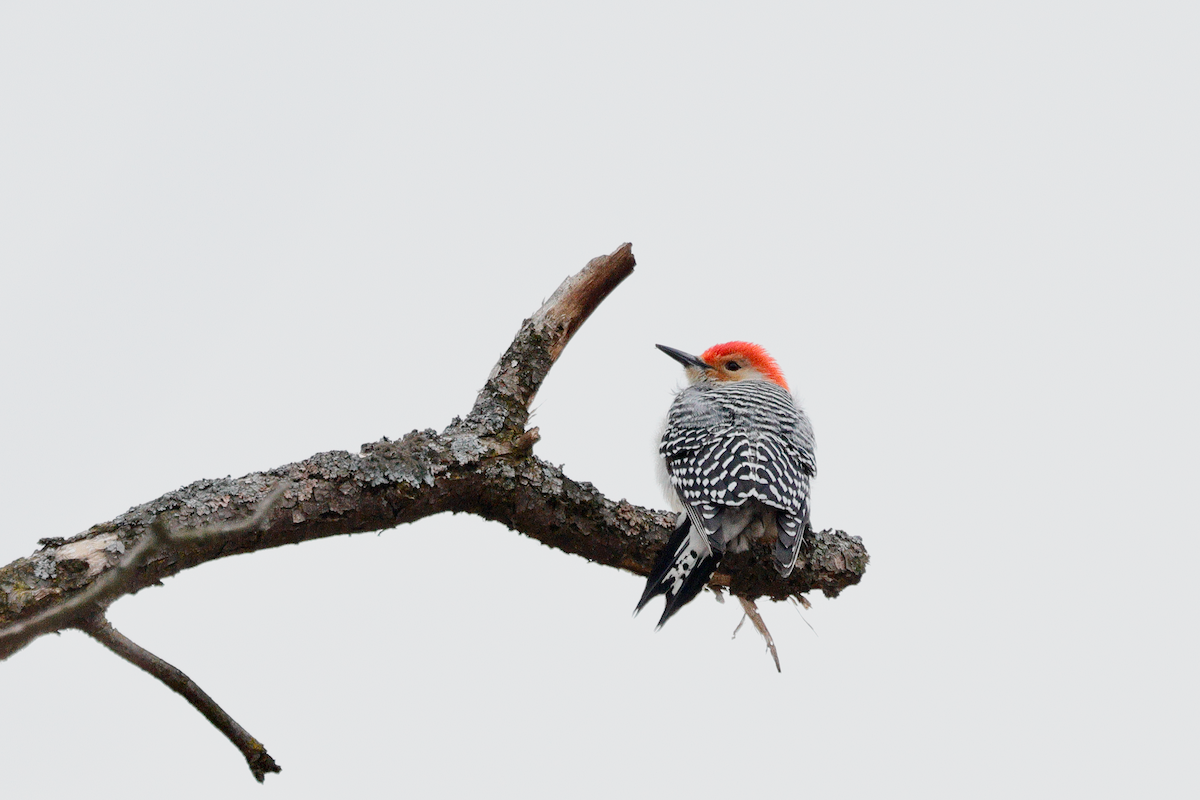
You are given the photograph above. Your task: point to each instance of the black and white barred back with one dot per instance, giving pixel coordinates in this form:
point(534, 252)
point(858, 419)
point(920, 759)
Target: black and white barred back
point(740, 456)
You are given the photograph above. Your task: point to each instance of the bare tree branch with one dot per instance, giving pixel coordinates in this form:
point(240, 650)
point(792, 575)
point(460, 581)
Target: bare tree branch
point(99, 628)
point(482, 464)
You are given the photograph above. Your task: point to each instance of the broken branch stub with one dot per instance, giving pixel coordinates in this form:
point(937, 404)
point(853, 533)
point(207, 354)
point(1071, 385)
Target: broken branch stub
point(502, 406)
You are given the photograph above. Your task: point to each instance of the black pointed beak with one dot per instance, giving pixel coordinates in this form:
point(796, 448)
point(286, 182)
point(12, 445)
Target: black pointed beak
point(687, 359)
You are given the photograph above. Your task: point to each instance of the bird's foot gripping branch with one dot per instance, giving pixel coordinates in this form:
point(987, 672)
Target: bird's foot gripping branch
point(482, 464)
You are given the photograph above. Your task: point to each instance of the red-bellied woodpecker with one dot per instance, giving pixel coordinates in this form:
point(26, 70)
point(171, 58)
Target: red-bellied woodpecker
point(739, 454)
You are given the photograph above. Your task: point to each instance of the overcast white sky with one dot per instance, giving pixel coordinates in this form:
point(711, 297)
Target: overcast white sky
point(233, 235)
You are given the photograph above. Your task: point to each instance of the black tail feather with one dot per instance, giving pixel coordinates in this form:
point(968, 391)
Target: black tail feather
point(655, 583)
point(678, 593)
point(696, 580)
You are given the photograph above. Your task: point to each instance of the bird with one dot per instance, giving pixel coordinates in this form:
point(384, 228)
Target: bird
point(738, 458)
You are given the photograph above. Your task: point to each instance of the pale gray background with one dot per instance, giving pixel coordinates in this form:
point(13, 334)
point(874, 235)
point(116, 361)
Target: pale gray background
point(233, 235)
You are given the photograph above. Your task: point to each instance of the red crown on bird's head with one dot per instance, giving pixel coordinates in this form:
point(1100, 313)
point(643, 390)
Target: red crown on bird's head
point(756, 354)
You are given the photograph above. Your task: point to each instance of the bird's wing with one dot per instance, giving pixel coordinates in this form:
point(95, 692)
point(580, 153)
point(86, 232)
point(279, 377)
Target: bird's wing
point(735, 442)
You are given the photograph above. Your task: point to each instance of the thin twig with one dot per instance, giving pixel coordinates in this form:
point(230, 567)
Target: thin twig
point(106, 587)
point(756, 618)
point(94, 623)
point(119, 579)
point(234, 527)
point(800, 601)
point(99, 628)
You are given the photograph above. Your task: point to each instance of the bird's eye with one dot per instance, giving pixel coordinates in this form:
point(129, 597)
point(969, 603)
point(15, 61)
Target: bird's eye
point(732, 366)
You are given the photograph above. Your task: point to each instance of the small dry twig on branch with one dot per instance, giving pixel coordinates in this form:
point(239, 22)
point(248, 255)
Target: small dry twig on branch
point(98, 627)
point(119, 580)
point(759, 625)
point(481, 464)
point(85, 611)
